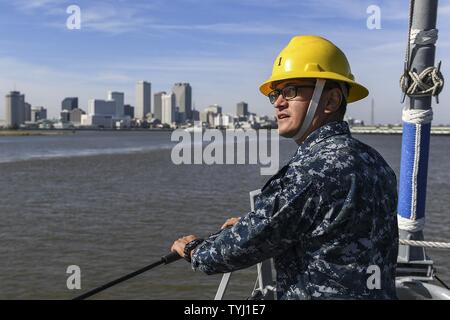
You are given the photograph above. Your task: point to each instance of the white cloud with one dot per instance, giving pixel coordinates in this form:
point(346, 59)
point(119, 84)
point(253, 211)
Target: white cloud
point(101, 16)
point(110, 19)
point(32, 5)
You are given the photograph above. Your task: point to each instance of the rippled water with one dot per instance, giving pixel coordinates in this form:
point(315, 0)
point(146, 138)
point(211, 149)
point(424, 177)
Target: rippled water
point(113, 202)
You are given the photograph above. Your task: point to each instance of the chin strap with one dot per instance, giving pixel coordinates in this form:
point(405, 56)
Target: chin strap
point(320, 84)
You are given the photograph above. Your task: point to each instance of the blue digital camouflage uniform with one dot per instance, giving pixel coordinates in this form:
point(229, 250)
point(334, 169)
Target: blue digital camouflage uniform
point(324, 218)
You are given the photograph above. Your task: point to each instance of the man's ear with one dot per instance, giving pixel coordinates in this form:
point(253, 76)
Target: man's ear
point(333, 102)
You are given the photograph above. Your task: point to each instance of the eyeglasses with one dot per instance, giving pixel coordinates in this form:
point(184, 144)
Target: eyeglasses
point(288, 93)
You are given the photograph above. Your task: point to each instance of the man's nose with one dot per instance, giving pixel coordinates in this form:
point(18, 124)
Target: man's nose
point(280, 102)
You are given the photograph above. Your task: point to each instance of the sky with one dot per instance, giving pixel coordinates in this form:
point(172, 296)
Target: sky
point(224, 48)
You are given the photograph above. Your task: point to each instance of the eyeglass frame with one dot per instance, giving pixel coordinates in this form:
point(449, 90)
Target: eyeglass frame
point(280, 92)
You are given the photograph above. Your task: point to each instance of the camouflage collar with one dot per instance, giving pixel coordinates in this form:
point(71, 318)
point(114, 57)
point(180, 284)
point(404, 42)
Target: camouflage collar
point(328, 130)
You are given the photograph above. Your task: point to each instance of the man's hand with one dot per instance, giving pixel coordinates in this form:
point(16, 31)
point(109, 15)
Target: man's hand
point(230, 222)
point(178, 246)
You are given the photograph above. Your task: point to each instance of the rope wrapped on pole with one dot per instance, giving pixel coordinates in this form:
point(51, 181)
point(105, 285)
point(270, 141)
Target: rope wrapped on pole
point(429, 82)
point(425, 244)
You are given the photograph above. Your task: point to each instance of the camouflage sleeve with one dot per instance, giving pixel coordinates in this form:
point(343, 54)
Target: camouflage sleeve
point(280, 217)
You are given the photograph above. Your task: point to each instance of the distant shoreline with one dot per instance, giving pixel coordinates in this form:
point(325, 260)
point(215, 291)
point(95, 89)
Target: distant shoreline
point(396, 130)
point(370, 130)
point(55, 132)
point(21, 133)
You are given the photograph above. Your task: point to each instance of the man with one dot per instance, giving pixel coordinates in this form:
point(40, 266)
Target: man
point(327, 218)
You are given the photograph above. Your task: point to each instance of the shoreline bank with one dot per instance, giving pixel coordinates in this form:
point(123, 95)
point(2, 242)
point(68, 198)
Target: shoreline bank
point(385, 130)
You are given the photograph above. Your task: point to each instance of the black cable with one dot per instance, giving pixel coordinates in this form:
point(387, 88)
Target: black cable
point(171, 257)
point(441, 282)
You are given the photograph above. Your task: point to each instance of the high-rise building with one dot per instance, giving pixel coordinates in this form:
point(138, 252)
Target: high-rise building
point(223, 121)
point(203, 116)
point(100, 113)
point(143, 99)
point(128, 111)
point(69, 103)
point(65, 116)
point(14, 109)
point(183, 93)
point(209, 114)
point(38, 113)
point(242, 109)
point(157, 105)
point(119, 98)
point(27, 111)
point(195, 115)
point(101, 107)
point(215, 108)
point(168, 108)
point(75, 115)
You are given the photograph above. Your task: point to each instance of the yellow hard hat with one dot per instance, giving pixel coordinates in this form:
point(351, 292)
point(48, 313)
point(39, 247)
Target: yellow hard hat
point(313, 57)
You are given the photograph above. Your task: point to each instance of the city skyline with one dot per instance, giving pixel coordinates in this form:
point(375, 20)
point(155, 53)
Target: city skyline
point(222, 52)
point(75, 102)
point(171, 110)
point(121, 100)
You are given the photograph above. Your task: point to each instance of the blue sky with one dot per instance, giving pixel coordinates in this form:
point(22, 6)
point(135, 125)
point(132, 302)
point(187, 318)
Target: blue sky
point(224, 48)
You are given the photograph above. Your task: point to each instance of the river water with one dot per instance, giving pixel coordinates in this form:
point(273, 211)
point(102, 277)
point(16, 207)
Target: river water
point(113, 202)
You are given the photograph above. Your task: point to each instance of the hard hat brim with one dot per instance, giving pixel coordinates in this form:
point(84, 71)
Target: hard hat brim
point(357, 91)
